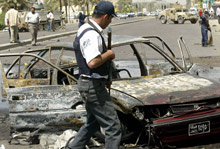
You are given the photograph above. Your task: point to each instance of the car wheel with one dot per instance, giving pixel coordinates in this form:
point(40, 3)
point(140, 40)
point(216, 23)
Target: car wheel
point(163, 20)
point(193, 21)
point(180, 20)
point(129, 126)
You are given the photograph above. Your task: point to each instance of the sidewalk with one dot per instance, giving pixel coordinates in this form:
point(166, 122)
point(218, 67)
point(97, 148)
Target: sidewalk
point(71, 29)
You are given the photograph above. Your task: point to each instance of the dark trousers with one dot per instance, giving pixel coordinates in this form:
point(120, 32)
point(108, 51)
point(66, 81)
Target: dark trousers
point(100, 113)
point(204, 30)
point(218, 19)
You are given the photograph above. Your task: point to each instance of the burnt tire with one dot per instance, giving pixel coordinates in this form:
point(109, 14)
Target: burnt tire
point(130, 128)
point(193, 21)
point(163, 20)
point(180, 20)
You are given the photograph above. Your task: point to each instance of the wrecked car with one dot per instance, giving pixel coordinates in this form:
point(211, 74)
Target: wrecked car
point(161, 100)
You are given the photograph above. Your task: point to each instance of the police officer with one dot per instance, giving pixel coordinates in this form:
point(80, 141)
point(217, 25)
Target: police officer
point(93, 59)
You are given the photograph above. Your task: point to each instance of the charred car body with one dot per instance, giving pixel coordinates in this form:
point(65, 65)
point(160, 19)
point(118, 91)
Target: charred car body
point(160, 100)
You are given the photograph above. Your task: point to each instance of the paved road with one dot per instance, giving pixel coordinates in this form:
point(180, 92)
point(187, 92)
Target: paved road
point(169, 32)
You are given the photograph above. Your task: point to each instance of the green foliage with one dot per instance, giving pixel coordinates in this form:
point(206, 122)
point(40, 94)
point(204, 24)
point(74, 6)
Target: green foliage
point(2, 20)
point(124, 6)
point(19, 4)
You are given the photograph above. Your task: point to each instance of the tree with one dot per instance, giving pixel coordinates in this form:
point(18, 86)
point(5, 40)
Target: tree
point(85, 3)
point(124, 4)
point(19, 4)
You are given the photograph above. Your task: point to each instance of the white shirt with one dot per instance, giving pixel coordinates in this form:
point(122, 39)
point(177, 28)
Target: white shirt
point(32, 18)
point(48, 16)
point(51, 16)
point(6, 18)
point(12, 17)
point(91, 44)
point(218, 11)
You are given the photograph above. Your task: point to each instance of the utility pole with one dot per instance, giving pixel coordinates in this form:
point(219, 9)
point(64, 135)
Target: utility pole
point(60, 6)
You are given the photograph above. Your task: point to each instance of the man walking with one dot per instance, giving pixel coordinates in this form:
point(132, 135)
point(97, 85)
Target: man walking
point(33, 21)
point(81, 19)
point(218, 14)
point(93, 59)
point(12, 22)
point(48, 21)
point(51, 20)
point(204, 28)
point(6, 24)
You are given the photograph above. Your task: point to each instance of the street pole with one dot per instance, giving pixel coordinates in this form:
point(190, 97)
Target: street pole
point(60, 6)
point(69, 10)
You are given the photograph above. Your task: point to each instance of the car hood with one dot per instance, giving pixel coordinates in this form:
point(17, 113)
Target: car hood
point(170, 89)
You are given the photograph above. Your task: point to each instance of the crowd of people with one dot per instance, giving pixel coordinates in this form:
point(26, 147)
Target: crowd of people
point(32, 22)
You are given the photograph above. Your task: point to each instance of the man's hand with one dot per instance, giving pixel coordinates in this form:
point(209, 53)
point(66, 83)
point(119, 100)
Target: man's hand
point(100, 59)
point(111, 54)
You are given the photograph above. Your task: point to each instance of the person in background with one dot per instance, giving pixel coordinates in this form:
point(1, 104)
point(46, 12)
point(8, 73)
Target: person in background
point(6, 24)
point(204, 28)
point(81, 19)
point(48, 21)
point(12, 22)
point(33, 21)
point(218, 14)
point(93, 59)
point(200, 12)
point(51, 20)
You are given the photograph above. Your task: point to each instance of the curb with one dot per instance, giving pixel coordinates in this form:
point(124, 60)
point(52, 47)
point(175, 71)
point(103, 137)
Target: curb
point(28, 41)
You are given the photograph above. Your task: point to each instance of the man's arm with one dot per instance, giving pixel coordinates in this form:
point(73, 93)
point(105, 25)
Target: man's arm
point(26, 21)
point(100, 59)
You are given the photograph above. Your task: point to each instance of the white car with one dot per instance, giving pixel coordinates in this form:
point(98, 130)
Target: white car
point(122, 16)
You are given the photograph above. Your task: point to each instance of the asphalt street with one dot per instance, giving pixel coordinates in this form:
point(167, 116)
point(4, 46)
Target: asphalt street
point(191, 33)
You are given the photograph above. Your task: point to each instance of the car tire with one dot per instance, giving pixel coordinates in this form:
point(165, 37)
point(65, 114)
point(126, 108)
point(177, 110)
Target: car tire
point(163, 20)
point(180, 20)
point(193, 21)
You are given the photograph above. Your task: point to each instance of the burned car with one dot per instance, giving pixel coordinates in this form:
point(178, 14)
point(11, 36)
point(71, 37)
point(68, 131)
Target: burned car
point(160, 100)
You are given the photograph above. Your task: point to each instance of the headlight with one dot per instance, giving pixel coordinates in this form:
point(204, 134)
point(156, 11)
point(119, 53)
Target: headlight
point(138, 114)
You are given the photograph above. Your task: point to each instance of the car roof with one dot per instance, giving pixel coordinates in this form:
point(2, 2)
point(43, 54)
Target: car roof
point(117, 40)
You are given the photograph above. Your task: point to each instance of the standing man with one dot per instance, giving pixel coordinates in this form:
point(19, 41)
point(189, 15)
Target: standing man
point(218, 14)
point(51, 20)
point(93, 59)
point(33, 21)
point(48, 21)
point(81, 19)
point(204, 28)
point(6, 24)
point(12, 22)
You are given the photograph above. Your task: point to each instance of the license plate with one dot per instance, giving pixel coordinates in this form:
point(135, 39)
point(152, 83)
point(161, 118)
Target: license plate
point(199, 128)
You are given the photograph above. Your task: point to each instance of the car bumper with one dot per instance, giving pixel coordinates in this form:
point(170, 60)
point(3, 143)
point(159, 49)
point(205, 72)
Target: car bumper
point(187, 127)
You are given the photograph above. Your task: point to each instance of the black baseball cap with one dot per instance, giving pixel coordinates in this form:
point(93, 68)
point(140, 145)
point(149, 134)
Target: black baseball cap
point(105, 7)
